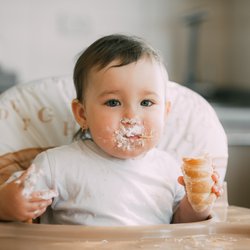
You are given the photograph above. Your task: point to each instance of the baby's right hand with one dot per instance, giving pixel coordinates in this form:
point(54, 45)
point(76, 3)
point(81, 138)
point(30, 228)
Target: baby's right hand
point(15, 207)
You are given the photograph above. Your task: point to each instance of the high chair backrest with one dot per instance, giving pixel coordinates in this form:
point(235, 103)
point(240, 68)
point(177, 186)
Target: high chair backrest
point(38, 114)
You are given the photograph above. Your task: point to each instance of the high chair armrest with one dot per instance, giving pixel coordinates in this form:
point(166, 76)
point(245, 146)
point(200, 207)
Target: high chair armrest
point(16, 161)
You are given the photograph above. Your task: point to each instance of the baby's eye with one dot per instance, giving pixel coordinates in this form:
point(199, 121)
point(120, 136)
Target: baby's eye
point(112, 103)
point(146, 103)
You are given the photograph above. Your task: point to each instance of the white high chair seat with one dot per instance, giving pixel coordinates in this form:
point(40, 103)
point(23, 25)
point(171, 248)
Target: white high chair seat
point(38, 114)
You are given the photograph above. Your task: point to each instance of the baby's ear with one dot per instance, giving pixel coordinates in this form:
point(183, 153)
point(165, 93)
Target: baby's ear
point(79, 113)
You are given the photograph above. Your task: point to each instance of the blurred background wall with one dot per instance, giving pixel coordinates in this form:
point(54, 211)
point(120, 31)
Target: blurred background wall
point(205, 44)
point(43, 38)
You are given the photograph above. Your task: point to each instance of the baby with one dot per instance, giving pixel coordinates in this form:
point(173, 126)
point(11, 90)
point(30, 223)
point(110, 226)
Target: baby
point(113, 174)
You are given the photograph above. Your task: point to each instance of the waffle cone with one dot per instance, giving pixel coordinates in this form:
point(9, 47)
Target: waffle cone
point(197, 173)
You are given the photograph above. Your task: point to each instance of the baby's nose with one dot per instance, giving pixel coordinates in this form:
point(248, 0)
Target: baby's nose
point(130, 121)
point(130, 113)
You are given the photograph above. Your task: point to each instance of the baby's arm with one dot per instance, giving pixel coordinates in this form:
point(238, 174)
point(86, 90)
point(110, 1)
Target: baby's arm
point(14, 206)
point(185, 213)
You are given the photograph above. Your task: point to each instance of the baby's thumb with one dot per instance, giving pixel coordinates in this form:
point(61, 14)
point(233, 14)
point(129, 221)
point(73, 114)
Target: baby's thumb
point(181, 180)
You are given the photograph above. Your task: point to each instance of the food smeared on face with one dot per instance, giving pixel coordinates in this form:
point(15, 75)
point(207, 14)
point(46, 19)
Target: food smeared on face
point(130, 134)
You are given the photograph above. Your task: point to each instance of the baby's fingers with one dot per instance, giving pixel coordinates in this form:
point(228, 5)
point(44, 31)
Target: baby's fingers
point(33, 214)
point(215, 177)
point(34, 205)
point(44, 195)
point(36, 209)
point(181, 180)
point(38, 213)
point(217, 190)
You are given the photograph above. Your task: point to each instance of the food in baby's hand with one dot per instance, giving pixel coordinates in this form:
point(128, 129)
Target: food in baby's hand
point(30, 182)
point(48, 194)
point(197, 173)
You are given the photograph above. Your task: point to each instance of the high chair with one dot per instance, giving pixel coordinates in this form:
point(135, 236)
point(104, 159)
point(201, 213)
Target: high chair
point(37, 115)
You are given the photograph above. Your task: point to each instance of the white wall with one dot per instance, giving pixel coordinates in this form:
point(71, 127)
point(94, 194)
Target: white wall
point(238, 71)
point(42, 38)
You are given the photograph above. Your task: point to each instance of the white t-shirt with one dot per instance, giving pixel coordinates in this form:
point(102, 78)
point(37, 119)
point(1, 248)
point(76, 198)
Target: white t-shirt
point(97, 189)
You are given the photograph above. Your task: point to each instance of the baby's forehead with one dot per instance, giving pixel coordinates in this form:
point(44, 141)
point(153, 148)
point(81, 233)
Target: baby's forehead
point(150, 65)
point(123, 61)
point(110, 74)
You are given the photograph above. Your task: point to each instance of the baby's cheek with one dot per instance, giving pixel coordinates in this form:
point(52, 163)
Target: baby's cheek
point(104, 135)
point(154, 127)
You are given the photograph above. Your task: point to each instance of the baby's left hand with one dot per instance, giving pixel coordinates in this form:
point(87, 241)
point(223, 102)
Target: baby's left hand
point(216, 188)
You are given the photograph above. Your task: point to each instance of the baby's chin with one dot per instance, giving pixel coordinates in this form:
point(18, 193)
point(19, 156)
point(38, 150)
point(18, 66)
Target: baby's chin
point(127, 149)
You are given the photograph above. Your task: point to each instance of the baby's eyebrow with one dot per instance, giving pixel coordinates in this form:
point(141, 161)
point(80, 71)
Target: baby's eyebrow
point(109, 92)
point(149, 92)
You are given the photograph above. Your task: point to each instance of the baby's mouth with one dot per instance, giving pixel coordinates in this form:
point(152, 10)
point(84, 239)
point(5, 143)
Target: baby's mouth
point(140, 136)
point(134, 131)
point(131, 135)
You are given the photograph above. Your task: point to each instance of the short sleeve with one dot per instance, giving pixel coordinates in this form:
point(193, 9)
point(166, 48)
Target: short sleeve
point(43, 171)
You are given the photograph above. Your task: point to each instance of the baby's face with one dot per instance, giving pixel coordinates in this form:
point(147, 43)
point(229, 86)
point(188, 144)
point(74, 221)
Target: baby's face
point(125, 107)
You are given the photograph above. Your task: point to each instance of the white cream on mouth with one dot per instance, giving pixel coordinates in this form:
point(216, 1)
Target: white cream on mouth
point(130, 134)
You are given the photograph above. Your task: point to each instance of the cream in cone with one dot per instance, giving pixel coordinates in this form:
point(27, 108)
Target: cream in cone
point(197, 173)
